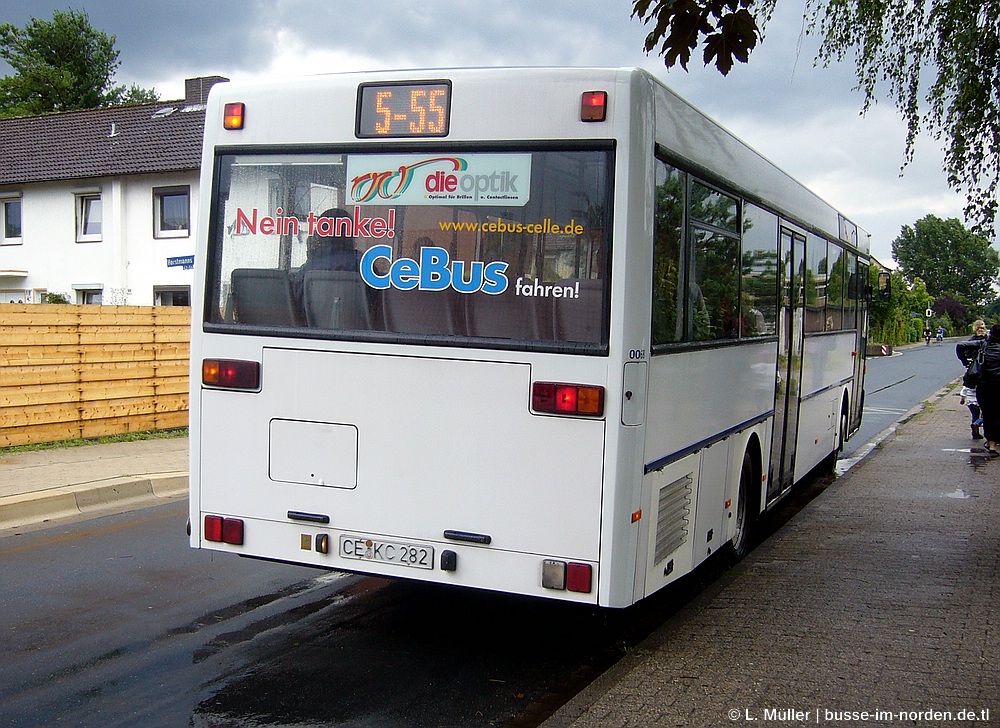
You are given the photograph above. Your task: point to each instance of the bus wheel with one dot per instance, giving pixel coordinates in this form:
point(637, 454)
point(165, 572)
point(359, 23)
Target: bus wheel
point(842, 437)
point(740, 544)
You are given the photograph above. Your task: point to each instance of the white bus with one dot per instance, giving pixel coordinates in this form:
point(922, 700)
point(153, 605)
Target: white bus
point(551, 332)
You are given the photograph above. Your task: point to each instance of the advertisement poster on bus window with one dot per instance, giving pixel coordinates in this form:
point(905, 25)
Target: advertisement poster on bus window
point(431, 179)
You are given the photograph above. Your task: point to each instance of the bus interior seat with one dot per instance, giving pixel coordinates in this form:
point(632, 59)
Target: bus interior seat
point(580, 319)
point(507, 316)
point(421, 312)
point(263, 296)
point(335, 299)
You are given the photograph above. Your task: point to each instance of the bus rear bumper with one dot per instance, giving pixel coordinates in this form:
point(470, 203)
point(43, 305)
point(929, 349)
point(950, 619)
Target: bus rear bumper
point(474, 565)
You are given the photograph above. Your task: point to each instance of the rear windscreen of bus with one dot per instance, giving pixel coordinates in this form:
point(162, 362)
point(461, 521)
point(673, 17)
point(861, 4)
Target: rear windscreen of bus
point(505, 246)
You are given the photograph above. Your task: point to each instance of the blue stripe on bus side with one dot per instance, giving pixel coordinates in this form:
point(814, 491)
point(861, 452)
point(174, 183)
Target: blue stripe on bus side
point(663, 462)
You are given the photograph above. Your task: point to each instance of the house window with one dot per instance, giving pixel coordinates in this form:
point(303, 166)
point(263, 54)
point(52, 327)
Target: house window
point(174, 296)
point(171, 212)
point(88, 218)
point(90, 296)
point(10, 221)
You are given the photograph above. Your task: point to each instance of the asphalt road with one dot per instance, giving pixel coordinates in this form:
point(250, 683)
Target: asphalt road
point(895, 384)
point(116, 622)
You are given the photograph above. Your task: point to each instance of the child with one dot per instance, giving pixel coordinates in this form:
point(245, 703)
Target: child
point(968, 398)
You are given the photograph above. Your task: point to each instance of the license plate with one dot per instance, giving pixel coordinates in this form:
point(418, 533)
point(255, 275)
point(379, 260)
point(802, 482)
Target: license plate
point(363, 548)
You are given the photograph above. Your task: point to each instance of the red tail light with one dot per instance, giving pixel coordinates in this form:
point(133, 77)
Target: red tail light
point(213, 528)
point(224, 530)
point(578, 578)
point(567, 399)
point(231, 373)
point(232, 531)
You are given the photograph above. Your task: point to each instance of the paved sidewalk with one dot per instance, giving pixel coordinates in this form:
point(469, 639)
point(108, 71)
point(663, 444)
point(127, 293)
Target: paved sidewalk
point(880, 595)
point(46, 485)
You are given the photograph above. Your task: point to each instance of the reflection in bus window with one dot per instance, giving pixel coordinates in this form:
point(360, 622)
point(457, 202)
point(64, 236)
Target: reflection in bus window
point(854, 290)
point(696, 276)
point(668, 236)
point(835, 289)
point(759, 287)
point(714, 286)
point(816, 283)
point(714, 208)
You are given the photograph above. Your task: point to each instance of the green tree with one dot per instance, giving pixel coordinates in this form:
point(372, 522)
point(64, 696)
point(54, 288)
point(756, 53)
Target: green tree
point(955, 311)
point(992, 312)
point(949, 258)
point(61, 65)
point(900, 320)
point(939, 62)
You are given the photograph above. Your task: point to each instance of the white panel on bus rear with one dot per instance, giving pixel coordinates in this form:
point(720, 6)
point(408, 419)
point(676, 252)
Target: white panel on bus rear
point(332, 448)
point(425, 462)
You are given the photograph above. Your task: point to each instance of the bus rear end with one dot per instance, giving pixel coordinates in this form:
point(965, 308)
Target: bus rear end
point(401, 345)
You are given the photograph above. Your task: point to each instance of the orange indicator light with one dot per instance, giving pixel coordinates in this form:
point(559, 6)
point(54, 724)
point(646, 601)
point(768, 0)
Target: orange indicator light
point(234, 116)
point(590, 400)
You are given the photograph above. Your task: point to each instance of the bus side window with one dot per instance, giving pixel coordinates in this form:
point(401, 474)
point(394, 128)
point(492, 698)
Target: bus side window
point(713, 265)
point(837, 303)
point(714, 287)
point(696, 277)
point(852, 293)
point(667, 255)
point(816, 282)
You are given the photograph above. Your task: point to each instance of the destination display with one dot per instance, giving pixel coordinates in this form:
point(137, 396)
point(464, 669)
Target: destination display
point(404, 110)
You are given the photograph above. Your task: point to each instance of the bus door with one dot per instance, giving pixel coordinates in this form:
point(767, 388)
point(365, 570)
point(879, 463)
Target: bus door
point(790, 340)
point(860, 295)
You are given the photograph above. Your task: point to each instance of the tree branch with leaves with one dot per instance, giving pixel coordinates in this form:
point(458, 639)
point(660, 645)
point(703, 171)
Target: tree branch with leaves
point(726, 28)
point(938, 61)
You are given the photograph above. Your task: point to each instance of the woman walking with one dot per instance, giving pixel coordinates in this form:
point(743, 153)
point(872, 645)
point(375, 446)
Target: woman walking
point(988, 389)
point(968, 394)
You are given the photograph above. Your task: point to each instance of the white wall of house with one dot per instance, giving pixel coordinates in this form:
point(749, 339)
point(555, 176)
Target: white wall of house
point(128, 264)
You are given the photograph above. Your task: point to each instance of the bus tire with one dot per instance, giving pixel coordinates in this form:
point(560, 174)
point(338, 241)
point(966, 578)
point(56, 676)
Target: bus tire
point(844, 424)
point(739, 546)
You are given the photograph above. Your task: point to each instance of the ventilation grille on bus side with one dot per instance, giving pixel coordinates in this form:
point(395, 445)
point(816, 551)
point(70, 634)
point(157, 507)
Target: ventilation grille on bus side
point(672, 517)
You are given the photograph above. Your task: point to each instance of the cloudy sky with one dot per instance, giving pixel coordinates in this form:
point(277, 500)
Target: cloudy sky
point(805, 119)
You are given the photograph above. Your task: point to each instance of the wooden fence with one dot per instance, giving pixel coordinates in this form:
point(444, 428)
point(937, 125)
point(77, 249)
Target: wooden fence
point(70, 372)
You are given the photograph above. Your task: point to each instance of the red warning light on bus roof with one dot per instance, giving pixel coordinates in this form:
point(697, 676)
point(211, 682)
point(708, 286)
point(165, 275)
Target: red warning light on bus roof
point(234, 116)
point(594, 106)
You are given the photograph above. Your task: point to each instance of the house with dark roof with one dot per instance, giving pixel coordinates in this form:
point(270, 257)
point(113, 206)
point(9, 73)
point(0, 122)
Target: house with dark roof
point(98, 205)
